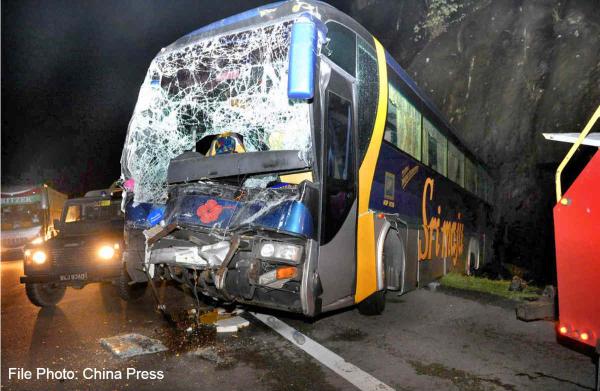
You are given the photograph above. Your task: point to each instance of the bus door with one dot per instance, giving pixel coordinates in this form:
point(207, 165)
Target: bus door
point(337, 254)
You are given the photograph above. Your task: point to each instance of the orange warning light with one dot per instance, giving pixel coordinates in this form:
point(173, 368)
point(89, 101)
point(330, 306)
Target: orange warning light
point(286, 272)
point(563, 330)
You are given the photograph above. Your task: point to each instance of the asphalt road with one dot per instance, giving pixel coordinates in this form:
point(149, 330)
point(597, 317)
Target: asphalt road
point(424, 341)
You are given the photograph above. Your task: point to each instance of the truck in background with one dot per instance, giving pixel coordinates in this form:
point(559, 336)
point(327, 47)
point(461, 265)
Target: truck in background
point(577, 235)
point(28, 213)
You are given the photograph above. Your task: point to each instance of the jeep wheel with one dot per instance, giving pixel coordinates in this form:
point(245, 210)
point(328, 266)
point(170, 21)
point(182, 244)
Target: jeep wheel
point(45, 295)
point(373, 305)
point(128, 291)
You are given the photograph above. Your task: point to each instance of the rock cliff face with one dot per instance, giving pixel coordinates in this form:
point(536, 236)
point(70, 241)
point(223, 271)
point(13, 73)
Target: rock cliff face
point(503, 72)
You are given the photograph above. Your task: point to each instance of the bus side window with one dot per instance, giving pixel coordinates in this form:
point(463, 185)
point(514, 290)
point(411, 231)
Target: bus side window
point(435, 147)
point(403, 123)
point(456, 163)
point(368, 94)
point(339, 165)
point(341, 48)
point(470, 176)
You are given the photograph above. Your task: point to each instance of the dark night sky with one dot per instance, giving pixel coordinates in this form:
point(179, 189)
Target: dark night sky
point(71, 72)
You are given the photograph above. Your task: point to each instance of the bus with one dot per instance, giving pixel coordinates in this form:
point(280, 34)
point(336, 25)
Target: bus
point(282, 158)
point(28, 213)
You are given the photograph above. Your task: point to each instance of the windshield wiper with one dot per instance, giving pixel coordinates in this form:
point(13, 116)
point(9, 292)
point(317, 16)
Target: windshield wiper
point(193, 166)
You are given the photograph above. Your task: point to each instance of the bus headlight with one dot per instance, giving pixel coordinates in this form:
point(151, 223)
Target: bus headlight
point(106, 252)
point(39, 257)
point(267, 250)
point(284, 251)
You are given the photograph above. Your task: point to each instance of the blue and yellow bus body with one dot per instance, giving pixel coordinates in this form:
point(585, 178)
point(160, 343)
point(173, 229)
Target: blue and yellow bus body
point(442, 226)
point(399, 200)
point(438, 224)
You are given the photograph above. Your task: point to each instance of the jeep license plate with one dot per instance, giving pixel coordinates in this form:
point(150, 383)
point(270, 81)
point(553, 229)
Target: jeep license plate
point(74, 277)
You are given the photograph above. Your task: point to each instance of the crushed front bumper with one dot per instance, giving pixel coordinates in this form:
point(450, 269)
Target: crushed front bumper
point(268, 270)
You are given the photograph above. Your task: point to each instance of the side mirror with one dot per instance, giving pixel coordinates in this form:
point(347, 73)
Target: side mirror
point(303, 58)
point(56, 224)
point(44, 201)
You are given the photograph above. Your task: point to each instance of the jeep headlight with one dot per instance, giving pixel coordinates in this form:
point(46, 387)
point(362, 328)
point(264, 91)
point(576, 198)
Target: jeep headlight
point(106, 252)
point(284, 251)
point(39, 257)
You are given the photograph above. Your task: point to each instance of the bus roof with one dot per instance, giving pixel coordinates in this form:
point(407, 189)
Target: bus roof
point(267, 13)
point(235, 18)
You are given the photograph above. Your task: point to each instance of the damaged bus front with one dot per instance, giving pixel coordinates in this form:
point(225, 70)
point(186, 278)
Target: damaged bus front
point(219, 162)
point(282, 157)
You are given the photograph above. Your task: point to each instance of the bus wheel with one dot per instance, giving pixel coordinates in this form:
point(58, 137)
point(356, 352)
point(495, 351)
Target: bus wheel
point(373, 305)
point(45, 295)
point(128, 291)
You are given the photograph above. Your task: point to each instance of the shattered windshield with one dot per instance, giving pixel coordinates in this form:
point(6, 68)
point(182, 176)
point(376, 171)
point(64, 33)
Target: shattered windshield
point(229, 84)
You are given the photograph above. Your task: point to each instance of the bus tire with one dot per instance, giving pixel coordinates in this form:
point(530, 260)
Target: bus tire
point(45, 295)
point(373, 305)
point(128, 291)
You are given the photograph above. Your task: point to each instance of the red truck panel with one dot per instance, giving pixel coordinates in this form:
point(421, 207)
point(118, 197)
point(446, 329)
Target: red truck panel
point(577, 237)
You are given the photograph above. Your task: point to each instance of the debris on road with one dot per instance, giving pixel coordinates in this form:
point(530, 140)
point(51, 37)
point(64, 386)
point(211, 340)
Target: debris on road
point(209, 317)
point(223, 319)
point(542, 309)
point(212, 354)
point(231, 325)
point(190, 331)
point(130, 345)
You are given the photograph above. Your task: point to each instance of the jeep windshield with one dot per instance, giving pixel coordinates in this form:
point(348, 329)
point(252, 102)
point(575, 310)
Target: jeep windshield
point(222, 93)
point(92, 211)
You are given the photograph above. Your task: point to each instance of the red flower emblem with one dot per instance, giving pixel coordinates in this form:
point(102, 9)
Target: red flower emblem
point(209, 212)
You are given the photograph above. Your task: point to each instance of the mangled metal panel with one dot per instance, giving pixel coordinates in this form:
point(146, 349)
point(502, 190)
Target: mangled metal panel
point(192, 166)
point(230, 83)
point(222, 207)
point(131, 345)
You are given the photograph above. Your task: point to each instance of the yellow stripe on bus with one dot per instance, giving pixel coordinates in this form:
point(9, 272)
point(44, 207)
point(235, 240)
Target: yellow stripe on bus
point(366, 263)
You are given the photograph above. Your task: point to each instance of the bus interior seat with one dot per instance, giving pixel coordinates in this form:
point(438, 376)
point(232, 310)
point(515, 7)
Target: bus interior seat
point(226, 143)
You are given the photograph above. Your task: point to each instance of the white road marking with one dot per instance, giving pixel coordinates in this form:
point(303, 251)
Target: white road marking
point(359, 378)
